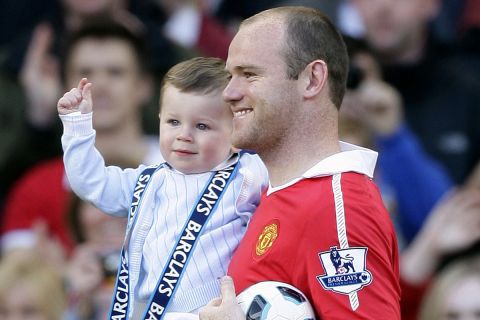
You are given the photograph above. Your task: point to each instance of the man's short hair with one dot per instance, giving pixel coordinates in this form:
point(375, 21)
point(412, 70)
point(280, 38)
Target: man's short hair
point(107, 29)
point(310, 35)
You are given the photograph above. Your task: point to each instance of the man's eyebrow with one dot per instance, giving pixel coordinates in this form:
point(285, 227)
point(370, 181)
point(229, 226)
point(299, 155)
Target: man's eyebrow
point(240, 68)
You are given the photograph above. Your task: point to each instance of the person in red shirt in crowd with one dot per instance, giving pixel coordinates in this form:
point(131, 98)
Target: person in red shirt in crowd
point(289, 68)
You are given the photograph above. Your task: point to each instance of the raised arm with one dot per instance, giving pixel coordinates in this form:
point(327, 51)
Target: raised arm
point(108, 188)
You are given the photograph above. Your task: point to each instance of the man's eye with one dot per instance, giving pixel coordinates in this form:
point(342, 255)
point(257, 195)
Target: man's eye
point(85, 73)
point(116, 72)
point(248, 74)
point(202, 126)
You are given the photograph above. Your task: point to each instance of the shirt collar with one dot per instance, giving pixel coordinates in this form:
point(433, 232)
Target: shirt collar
point(232, 159)
point(351, 158)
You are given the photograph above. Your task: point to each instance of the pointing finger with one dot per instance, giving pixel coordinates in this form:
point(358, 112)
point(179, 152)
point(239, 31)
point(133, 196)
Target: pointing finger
point(86, 104)
point(82, 83)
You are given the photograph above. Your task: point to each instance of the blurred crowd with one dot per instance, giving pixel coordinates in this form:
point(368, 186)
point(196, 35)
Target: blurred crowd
point(413, 95)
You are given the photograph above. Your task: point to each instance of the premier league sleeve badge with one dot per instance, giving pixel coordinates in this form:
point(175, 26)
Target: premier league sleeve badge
point(345, 269)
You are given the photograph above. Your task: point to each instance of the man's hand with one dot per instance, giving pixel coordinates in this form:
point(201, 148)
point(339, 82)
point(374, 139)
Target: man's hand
point(224, 308)
point(381, 107)
point(83, 271)
point(77, 99)
point(452, 226)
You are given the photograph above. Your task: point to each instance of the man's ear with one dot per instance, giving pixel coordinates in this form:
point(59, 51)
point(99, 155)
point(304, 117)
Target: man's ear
point(313, 78)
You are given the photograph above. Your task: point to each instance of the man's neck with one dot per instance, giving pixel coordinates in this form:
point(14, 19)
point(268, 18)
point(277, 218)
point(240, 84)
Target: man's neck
point(290, 161)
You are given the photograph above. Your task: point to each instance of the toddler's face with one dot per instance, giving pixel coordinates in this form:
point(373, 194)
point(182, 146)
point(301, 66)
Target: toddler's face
point(195, 130)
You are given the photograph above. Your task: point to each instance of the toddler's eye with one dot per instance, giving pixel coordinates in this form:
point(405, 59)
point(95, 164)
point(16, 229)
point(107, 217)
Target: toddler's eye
point(173, 122)
point(202, 126)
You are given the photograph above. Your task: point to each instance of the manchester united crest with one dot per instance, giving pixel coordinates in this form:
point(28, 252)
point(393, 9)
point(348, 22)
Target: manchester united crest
point(266, 238)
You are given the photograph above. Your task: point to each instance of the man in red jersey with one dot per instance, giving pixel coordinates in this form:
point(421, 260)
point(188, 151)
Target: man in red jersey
point(321, 226)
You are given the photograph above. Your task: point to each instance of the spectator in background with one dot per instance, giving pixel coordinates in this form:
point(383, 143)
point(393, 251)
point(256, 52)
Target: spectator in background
point(61, 18)
point(91, 270)
point(451, 231)
point(455, 292)
point(441, 102)
point(31, 76)
point(230, 13)
point(190, 25)
point(30, 288)
point(114, 59)
point(410, 180)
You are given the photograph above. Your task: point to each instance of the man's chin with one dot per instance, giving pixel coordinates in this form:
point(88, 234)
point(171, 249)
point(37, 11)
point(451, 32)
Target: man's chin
point(104, 126)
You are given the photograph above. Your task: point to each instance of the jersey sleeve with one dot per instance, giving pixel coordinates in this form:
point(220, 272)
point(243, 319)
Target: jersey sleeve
point(351, 253)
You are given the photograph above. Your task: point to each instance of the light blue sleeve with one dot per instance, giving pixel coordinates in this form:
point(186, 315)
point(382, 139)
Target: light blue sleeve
point(108, 188)
point(255, 182)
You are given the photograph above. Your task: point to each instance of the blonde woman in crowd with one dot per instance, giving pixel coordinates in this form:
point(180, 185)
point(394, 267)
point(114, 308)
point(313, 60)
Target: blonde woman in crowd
point(30, 289)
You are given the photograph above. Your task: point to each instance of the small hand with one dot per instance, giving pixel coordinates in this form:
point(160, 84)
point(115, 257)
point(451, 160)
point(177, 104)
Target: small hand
point(224, 308)
point(77, 99)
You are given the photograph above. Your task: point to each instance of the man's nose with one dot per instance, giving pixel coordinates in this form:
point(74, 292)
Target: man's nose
point(232, 91)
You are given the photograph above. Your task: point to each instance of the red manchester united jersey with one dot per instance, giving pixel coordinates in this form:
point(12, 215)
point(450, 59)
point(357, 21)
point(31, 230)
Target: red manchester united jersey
point(332, 238)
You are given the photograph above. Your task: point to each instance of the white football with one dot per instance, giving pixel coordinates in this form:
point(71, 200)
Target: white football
point(272, 300)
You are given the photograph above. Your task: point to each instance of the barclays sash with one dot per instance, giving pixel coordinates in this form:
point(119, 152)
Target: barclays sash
point(180, 254)
point(120, 300)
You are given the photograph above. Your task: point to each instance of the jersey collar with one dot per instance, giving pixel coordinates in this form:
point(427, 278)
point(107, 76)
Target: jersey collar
point(351, 158)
